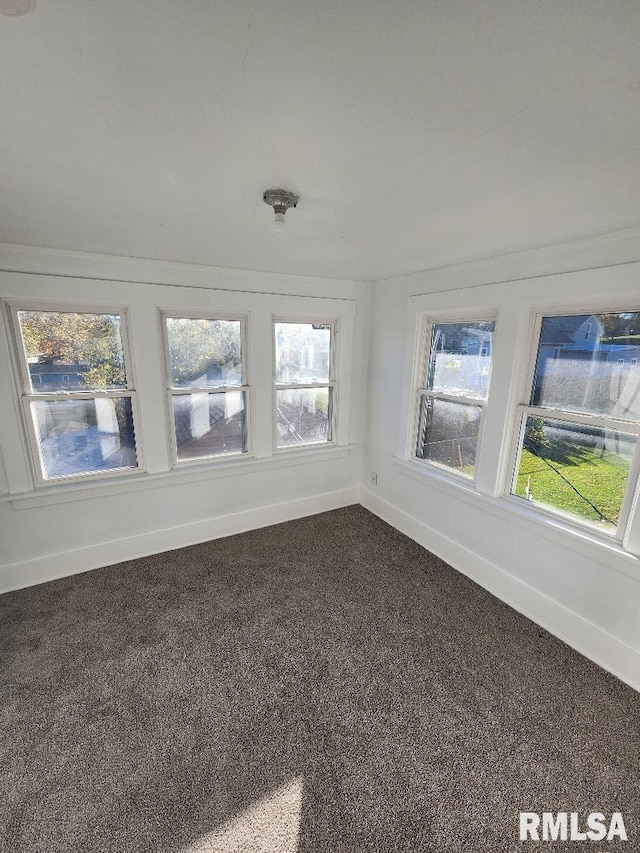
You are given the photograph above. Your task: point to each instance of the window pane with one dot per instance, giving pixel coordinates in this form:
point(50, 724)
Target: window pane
point(579, 471)
point(303, 416)
point(460, 361)
point(71, 351)
point(204, 352)
point(303, 352)
point(79, 436)
point(448, 433)
point(209, 424)
point(589, 363)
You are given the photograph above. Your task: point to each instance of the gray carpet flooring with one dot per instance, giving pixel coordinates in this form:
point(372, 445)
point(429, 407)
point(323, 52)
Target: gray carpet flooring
point(319, 685)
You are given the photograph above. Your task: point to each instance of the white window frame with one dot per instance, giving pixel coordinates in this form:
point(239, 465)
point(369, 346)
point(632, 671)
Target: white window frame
point(525, 410)
point(421, 373)
point(27, 395)
point(243, 319)
point(332, 383)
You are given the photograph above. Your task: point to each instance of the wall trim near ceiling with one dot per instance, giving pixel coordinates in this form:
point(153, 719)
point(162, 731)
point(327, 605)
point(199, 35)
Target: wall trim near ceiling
point(16, 257)
point(592, 642)
point(37, 260)
point(55, 566)
point(601, 250)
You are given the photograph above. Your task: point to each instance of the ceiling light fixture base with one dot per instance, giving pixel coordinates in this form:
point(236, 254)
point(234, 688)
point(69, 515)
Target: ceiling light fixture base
point(280, 200)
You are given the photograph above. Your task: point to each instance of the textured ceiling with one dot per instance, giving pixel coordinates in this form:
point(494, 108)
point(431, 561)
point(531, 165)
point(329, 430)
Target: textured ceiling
point(417, 134)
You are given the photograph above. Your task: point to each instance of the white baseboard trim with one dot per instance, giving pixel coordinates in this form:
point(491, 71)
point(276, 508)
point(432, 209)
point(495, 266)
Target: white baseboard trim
point(53, 566)
point(592, 642)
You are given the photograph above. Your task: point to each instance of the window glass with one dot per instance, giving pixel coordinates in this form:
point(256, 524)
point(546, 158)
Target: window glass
point(302, 352)
point(84, 436)
point(204, 353)
point(209, 424)
point(303, 416)
point(69, 351)
point(577, 470)
point(589, 363)
point(460, 361)
point(448, 433)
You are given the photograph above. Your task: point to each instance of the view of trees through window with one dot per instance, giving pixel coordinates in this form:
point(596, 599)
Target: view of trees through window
point(204, 352)
point(205, 357)
point(72, 351)
point(69, 356)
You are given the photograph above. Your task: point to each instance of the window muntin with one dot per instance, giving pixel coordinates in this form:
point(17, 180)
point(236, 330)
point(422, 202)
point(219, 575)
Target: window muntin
point(577, 453)
point(304, 383)
point(454, 387)
point(208, 391)
point(78, 402)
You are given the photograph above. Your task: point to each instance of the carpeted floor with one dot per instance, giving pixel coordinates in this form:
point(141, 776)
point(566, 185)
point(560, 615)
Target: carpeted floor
point(320, 685)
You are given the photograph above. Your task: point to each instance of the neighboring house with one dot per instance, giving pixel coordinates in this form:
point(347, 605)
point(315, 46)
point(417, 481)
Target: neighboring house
point(579, 338)
point(53, 373)
point(622, 353)
point(476, 342)
point(576, 336)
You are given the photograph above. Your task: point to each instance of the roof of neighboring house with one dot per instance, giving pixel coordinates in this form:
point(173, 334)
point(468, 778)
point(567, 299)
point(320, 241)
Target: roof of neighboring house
point(47, 368)
point(561, 330)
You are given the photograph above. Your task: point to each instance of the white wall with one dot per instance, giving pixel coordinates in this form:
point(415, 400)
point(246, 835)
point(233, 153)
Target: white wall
point(585, 592)
point(51, 531)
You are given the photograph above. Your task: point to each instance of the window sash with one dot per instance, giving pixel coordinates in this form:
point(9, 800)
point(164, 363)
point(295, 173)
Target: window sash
point(176, 462)
point(175, 391)
point(331, 383)
point(284, 386)
point(583, 419)
point(447, 398)
point(331, 420)
point(55, 307)
point(205, 315)
point(29, 395)
point(453, 398)
point(598, 422)
point(207, 389)
point(421, 373)
point(35, 448)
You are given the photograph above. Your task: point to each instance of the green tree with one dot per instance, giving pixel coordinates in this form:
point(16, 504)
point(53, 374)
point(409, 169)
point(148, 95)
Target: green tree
point(91, 340)
point(619, 325)
point(197, 347)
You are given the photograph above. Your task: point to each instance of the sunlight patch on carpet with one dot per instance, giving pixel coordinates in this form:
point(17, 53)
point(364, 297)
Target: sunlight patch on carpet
point(270, 825)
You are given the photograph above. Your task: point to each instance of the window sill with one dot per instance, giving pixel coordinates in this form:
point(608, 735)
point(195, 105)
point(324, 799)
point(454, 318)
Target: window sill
point(48, 495)
point(555, 530)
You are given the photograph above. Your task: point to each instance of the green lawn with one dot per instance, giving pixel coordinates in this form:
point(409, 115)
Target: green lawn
point(600, 478)
point(623, 339)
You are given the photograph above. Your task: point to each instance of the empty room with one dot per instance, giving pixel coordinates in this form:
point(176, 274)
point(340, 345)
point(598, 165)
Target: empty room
point(319, 426)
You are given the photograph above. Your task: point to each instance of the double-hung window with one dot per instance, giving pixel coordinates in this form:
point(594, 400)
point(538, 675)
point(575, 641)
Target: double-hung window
point(78, 399)
point(305, 387)
point(208, 390)
point(453, 388)
point(577, 451)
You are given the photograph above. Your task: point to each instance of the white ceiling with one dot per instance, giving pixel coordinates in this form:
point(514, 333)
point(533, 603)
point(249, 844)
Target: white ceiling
point(418, 133)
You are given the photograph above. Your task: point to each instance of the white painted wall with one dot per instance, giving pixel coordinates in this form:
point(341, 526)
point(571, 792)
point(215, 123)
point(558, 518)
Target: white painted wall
point(584, 592)
point(56, 530)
